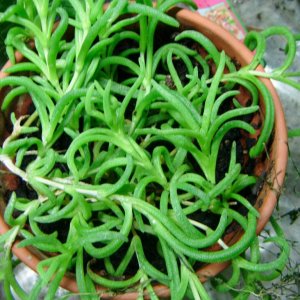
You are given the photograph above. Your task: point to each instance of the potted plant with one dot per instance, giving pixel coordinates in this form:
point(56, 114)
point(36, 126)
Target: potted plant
point(140, 151)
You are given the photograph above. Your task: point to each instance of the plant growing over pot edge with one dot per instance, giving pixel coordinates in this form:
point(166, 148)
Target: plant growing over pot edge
point(124, 148)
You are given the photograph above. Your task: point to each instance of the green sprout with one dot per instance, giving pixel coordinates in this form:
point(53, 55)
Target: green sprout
point(123, 146)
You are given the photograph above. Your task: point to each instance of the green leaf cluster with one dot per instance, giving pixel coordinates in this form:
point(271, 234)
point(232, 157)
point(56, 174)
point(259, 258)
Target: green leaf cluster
point(122, 145)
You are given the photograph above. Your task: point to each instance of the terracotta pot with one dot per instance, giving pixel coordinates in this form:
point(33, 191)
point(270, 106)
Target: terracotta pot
point(275, 165)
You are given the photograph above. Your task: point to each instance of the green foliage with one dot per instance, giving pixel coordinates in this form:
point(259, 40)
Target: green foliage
point(123, 145)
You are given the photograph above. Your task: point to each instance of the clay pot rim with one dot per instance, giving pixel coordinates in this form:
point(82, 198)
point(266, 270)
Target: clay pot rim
point(279, 154)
